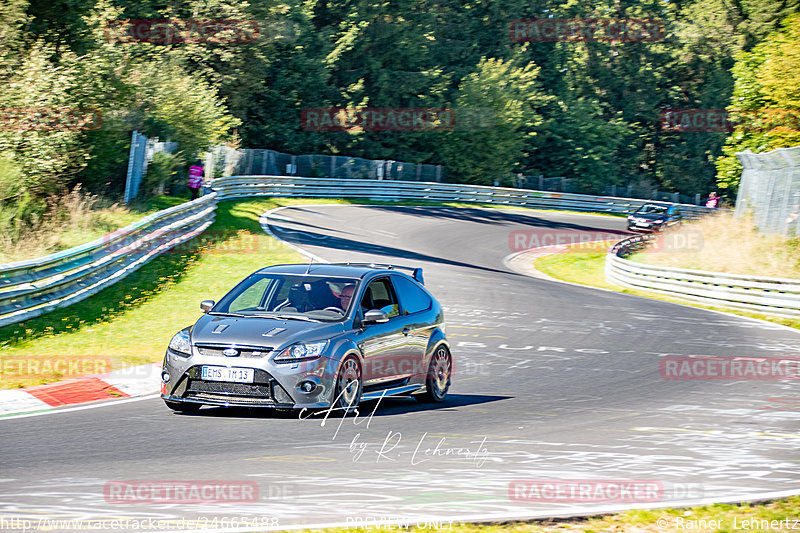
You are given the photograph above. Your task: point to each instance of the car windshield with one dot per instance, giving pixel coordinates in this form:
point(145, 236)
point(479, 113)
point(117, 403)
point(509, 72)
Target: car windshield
point(652, 210)
point(297, 297)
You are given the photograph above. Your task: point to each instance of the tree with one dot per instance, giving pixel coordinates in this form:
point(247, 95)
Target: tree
point(509, 94)
point(766, 100)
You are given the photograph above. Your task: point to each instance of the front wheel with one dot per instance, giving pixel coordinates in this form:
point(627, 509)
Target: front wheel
point(437, 381)
point(349, 386)
point(181, 407)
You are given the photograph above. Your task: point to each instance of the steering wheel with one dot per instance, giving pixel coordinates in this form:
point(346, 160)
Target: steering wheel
point(333, 308)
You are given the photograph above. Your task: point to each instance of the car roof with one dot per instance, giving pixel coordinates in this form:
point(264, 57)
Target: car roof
point(328, 269)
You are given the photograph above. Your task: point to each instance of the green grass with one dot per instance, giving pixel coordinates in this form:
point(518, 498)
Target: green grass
point(106, 220)
point(721, 518)
point(586, 267)
point(77, 220)
point(132, 321)
point(583, 265)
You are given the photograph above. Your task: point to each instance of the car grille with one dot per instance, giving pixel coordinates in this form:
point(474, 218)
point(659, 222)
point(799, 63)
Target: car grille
point(246, 389)
point(244, 351)
point(234, 400)
point(246, 393)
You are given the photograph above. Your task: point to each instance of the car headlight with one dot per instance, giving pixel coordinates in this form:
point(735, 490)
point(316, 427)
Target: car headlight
point(181, 344)
point(301, 352)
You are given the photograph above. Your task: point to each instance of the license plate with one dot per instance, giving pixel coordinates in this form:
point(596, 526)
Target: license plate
point(643, 224)
point(223, 373)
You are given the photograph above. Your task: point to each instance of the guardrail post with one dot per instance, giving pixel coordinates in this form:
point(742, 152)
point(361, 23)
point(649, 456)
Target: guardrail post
point(134, 167)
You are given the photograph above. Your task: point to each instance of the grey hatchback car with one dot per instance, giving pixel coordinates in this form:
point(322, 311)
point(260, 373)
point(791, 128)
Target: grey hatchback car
point(326, 335)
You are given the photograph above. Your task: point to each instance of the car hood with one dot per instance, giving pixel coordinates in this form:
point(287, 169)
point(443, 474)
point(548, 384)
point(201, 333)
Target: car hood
point(255, 331)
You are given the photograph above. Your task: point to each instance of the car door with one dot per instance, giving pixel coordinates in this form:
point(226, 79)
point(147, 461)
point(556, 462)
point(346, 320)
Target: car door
point(673, 216)
point(385, 346)
point(416, 307)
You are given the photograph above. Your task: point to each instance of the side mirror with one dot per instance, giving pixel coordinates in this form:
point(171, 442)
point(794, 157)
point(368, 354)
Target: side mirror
point(206, 305)
point(375, 316)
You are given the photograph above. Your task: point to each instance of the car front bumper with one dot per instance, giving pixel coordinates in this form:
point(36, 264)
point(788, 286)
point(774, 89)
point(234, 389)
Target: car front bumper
point(274, 385)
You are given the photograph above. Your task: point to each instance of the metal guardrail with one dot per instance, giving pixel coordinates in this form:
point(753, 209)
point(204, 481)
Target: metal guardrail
point(31, 288)
point(777, 296)
point(391, 190)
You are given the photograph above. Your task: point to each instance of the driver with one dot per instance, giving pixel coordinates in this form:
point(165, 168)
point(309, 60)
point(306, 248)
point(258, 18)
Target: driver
point(346, 295)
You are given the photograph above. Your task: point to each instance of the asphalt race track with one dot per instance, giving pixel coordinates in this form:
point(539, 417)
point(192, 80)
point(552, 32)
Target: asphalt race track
point(552, 382)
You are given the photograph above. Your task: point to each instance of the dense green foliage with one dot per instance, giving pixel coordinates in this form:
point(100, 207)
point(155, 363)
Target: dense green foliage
point(584, 110)
point(766, 100)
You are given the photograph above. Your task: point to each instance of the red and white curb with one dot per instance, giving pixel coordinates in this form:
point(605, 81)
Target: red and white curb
point(124, 383)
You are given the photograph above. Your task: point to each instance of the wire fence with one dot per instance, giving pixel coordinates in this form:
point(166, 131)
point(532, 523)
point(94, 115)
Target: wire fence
point(226, 161)
point(141, 153)
point(569, 185)
point(223, 161)
point(770, 190)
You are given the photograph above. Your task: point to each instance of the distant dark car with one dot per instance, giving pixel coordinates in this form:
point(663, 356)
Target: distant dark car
point(654, 217)
point(312, 336)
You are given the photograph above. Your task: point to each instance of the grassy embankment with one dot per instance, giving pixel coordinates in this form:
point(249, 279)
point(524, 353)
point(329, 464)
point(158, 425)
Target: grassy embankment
point(717, 518)
point(727, 245)
point(76, 219)
point(132, 321)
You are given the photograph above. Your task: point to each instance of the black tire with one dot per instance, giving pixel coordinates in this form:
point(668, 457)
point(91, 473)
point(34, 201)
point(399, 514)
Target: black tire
point(437, 380)
point(349, 386)
point(181, 407)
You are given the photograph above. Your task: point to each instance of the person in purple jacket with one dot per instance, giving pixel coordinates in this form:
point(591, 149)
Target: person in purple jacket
point(196, 178)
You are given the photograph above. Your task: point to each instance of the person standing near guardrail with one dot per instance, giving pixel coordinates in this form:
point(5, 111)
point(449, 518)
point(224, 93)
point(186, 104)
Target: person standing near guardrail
point(713, 200)
point(196, 178)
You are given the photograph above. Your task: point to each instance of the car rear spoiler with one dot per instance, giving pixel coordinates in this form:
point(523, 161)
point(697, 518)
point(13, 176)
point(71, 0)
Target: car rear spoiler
point(416, 273)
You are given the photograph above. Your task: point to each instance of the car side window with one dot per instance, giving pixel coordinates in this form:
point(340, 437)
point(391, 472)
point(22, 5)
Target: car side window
point(413, 298)
point(380, 295)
